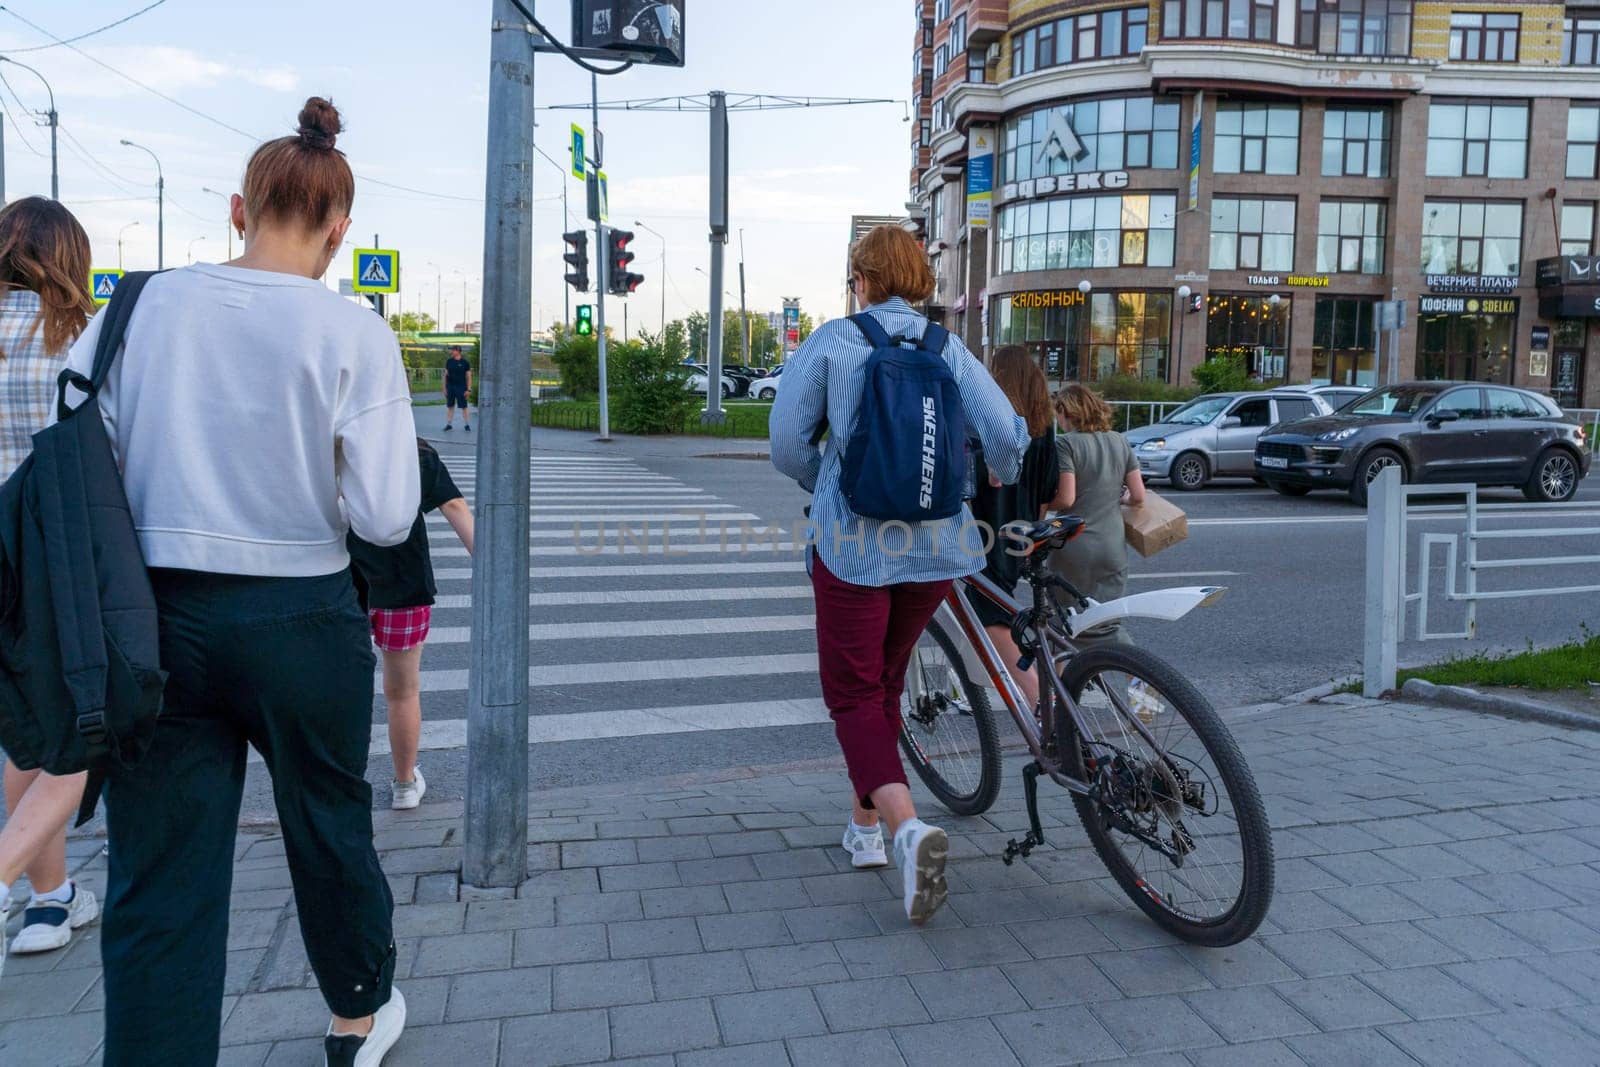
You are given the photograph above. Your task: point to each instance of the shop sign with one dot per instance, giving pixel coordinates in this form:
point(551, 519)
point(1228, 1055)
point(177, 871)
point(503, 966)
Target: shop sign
point(980, 175)
point(1539, 364)
point(1094, 181)
point(1293, 281)
point(1191, 276)
point(1048, 298)
point(1471, 283)
point(1540, 339)
point(1568, 270)
point(1467, 305)
point(1570, 302)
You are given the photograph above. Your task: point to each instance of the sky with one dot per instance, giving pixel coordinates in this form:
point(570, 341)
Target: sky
point(410, 78)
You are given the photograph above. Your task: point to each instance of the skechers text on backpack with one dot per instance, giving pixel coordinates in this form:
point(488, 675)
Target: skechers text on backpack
point(80, 678)
point(905, 460)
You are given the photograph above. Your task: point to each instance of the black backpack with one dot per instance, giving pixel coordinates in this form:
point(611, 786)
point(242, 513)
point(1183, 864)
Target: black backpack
point(80, 678)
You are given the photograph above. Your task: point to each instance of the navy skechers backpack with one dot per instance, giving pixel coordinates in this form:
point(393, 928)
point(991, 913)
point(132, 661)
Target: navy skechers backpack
point(906, 457)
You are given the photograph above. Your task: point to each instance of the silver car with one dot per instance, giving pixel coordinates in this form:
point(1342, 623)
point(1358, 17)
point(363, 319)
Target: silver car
point(1215, 435)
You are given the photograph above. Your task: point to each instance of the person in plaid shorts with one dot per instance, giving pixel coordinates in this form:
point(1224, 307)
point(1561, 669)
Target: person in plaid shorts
point(397, 588)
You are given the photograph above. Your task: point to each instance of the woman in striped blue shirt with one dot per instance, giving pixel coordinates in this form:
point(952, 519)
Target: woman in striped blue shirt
point(875, 588)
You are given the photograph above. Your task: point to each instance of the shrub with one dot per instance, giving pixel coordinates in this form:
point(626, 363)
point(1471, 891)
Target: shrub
point(1224, 374)
point(578, 360)
point(1128, 387)
point(646, 385)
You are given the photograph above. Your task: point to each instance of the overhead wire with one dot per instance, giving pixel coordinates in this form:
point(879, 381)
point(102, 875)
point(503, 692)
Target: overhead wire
point(83, 36)
point(14, 123)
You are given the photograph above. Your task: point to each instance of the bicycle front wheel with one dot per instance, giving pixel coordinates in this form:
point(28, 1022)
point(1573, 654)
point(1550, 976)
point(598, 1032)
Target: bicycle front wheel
point(946, 726)
point(1179, 823)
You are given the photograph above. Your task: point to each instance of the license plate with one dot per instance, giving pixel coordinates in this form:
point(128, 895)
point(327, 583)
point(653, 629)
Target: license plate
point(1276, 462)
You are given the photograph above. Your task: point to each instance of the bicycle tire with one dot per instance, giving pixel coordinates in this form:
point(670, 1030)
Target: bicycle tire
point(958, 802)
point(1255, 835)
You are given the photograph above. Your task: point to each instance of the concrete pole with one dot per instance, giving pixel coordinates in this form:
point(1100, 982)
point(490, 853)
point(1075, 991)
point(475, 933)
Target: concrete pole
point(719, 239)
point(602, 265)
point(496, 844)
point(744, 316)
point(1385, 583)
point(55, 167)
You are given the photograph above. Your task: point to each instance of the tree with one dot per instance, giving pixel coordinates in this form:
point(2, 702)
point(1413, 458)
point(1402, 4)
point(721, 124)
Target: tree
point(647, 387)
point(578, 360)
point(676, 340)
point(806, 325)
point(412, 322)
point(699, 327)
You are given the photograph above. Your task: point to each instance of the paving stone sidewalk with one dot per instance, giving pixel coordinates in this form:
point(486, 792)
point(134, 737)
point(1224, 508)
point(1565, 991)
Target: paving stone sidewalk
point(1438, 876)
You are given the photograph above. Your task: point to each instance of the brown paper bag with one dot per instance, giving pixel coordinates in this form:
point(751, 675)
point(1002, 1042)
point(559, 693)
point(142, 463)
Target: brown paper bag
point(1154, 525)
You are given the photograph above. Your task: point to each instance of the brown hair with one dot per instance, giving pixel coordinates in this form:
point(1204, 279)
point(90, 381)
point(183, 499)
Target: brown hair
point(1020, 378)
point(1082, 409)
point(893, 264)
point(302, 179)
point(44, 250)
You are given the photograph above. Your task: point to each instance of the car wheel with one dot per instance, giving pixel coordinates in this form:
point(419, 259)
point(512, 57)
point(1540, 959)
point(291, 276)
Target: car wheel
point(1190, 471)
point(1554, 479)
point(1289, 489)
point(1373, 464)
point(726, 392)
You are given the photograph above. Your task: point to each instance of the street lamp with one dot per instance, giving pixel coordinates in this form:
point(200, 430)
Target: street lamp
point(438, 311)
point(120, 232)
point(566, 224)
point(1184, 292)
point(228, 224)
point(161, 205)
point(1272, 331)
point(192, 243)
point(53, 121)
point(648, 229)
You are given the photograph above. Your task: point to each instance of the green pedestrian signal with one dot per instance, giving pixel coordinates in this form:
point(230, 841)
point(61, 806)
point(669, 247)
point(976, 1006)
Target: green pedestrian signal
point(585, 327)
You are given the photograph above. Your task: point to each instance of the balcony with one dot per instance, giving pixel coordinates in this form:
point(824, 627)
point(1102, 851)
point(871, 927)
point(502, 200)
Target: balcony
point(987, 20)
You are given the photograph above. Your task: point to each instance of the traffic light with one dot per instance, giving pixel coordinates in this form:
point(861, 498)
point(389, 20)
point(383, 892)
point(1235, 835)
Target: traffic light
point(619, 280)
point(577, 258)
point(585, 325)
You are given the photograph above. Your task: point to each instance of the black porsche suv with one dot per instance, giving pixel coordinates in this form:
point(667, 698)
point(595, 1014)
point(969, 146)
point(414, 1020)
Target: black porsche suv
point(1492, 435)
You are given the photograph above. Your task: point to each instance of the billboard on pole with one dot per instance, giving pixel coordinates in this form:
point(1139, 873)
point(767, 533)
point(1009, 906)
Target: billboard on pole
point(646, 31)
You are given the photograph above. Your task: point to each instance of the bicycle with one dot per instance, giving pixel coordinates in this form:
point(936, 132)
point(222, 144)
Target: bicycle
point(1146, 804)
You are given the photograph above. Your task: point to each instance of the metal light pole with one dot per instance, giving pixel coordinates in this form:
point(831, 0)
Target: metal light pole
point(496, 821)
point(192, 243)
point(602, 261)
point(54, 122)
point(566, 223)
point(718, 109)
point(1184, 293)
point(438, 296)
point(120, 232)
point(161, 205)
point(1272, 339)
point(226, 199)
point(651, 230)
point(744, 316)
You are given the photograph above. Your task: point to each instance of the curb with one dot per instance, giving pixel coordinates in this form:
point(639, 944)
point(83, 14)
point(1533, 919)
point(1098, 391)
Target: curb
point(1318, 692)
point(1507, 707)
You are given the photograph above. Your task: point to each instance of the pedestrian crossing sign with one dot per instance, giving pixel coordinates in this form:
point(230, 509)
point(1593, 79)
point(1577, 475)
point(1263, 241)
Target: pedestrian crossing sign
point(102, 283)
point(377, 270)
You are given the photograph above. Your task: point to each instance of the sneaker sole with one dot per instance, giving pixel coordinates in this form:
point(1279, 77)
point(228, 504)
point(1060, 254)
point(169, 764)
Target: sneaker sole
point(862, 863)
point(49, 939)
point(931, 890)
point(87, 914)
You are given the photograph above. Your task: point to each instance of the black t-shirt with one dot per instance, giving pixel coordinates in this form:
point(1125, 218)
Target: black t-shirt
point(455, 373)
point(1036, 486)
point(402, 576)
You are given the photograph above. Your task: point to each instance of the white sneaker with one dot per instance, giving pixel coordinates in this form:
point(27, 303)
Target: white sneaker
point(920, 851)
point(48, 925)
point(408, 795)
point(352, 1050)
point(865, 846)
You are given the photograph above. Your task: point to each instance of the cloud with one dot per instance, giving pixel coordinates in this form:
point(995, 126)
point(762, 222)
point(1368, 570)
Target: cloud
point(170, 70)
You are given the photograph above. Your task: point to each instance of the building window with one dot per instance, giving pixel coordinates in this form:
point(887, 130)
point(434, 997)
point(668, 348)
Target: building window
point(927, 33)
point(941, 115)
point(1583, 140)
point(1341, 342)
point(1237, 20)
point(941, 60)
point(927, 132)
point(1350, 236)
point(941, 10)
point(1577, 228)
point(1466, 347)
point(1355, 142)
point(1124, 133)
point(936, 216)
point(977, 66)
point(1251, 327)
point(958, 34)
point(1257, 139)
point(1472, 237)
point(1109, 34)
point(1478, 37)
point(1109, 334)
point(1477, 140)
point(1083, 232)
point(927, 82)
point(1355, 27)
point(1252, 234)
point(1580, 41)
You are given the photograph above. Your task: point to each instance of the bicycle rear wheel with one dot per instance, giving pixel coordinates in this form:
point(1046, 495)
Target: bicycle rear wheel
point(946, 727)
point(1179, 824)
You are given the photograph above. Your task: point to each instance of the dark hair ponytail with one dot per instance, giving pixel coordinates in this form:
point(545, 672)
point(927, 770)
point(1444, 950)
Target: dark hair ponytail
point(303, 178)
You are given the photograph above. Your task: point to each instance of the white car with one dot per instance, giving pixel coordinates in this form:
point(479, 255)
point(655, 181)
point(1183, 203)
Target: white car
point(696, 381)
point(767, 388)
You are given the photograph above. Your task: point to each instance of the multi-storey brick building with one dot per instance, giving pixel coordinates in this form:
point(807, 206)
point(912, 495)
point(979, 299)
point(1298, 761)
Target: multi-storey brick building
point(1131, 188)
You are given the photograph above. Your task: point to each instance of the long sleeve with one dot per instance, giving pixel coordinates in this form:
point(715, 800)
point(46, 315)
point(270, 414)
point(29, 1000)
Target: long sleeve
point(990, 416)
point(377, 451)
point(797, 412)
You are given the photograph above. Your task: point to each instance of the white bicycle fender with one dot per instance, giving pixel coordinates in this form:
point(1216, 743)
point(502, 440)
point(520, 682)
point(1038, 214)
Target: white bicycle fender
point(1164, 604)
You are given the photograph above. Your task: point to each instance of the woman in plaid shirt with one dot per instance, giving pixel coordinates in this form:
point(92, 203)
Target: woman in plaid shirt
point(44, 306)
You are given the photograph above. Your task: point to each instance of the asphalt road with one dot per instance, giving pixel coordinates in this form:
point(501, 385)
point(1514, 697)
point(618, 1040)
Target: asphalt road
point(647, 665)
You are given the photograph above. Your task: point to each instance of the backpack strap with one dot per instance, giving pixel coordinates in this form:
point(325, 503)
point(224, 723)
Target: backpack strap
point(933, 339)
point(872, 329)
point(117, 314)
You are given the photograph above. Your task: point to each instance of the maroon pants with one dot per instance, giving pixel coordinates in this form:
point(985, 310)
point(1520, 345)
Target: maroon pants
point(865, 635)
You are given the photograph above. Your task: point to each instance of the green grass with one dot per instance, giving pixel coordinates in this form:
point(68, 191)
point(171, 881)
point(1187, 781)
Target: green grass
point(744, 419)
point(1571, 666)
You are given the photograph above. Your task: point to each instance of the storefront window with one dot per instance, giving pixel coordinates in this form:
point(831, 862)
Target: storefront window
point(1083, 232)
point(1125, 133)
point(1355, 142)
point(1251, 326)
point(1252, 234)
point(1466, 347)
point(1477, 140)
point(1113, 333)
point(1341, 342)
point(1350, 236)
point(1472, 237)
point(1257, 139)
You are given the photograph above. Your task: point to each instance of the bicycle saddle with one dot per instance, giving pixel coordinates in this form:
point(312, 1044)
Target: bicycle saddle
point(1046, 534)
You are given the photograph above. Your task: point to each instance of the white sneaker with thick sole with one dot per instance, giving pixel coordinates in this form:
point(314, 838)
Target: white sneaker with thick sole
point(48, 925)
point(353, 1050)
point(865, 846)
point(408, 795)
point(920, 852)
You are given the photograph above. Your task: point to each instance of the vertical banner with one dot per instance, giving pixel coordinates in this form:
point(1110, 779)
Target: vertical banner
point(791, 326)
point(980, 175)
point(1194, 151)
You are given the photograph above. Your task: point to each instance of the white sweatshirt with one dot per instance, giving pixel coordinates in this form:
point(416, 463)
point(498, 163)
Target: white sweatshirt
point(257, 417)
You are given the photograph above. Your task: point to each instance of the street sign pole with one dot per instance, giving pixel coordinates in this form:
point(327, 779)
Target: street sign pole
point(713, 413)
point(603, 258)
point(496, 845)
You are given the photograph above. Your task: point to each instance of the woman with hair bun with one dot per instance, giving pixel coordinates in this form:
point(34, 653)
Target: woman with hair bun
point(258, 419)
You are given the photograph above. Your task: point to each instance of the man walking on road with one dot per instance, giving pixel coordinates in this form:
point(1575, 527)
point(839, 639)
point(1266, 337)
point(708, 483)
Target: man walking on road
point(457, 386)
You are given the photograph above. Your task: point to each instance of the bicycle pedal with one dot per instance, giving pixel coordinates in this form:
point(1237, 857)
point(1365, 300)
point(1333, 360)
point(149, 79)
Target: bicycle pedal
point(1012, 851)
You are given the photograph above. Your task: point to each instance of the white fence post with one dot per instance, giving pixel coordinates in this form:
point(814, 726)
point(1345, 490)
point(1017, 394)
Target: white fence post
point(1385, 582)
